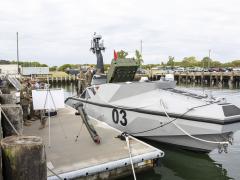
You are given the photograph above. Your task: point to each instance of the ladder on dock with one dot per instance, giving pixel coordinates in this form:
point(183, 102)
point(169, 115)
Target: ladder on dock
point(14, 81)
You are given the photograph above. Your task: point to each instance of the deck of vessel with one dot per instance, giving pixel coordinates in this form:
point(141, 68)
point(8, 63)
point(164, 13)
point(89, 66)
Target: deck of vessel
point(83, 158)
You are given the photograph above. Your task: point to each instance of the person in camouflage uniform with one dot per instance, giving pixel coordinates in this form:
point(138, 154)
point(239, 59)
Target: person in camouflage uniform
point(32, 115)
point(25, 102)
point(89, 76)
point(81, 83)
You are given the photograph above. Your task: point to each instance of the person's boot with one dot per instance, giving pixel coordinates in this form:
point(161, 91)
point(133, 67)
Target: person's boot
point(34, 118)
point(27, 123)
point(43, 125)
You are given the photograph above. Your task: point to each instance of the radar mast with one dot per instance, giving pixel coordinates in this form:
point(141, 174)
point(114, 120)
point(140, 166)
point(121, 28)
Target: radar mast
point(96, 47)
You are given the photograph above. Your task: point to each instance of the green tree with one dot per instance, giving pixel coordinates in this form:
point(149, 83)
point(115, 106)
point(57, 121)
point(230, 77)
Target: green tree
point(122, 54)
point(216, 64)
point(236, 63)
point(170, 61)
point(189, 61)
point(29, 64)
point(206, 62)
point(53, 68)
point(64, 67)
point(139, 59)
point(43, 65)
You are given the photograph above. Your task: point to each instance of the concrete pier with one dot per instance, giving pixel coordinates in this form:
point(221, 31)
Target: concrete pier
point(70, 158)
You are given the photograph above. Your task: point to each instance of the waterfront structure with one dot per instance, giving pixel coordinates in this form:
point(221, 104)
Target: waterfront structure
point(202, 78)
point(29, 71)
point(9, 69)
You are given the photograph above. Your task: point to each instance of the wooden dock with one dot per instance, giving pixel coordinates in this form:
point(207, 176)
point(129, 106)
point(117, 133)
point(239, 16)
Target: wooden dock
point(231, 79)
point(82, 158)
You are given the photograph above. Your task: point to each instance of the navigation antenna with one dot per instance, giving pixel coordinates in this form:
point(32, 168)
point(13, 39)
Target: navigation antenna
point(96, 47)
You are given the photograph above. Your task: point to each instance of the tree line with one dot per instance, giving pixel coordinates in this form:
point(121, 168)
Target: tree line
point(24, 63)
point(190, 61)
point(206, 62)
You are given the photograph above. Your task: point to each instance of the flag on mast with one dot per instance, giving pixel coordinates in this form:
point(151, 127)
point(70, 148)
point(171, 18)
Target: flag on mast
point(115, 55)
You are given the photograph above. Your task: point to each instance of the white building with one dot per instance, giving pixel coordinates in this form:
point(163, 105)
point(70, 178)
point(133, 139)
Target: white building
point(28, 71)
point(10, 69)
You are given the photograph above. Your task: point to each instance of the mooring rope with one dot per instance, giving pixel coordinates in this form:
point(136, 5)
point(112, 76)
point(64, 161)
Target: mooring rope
point(79, 132)
point(186, 133)
point(169, 122)
point(130, 155)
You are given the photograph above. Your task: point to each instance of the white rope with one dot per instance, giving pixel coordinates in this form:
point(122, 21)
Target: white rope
point(185, 132)
point(130, 156)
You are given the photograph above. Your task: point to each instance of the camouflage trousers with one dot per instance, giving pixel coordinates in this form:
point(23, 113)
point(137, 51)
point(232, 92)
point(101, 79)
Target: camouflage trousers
point(25, 112)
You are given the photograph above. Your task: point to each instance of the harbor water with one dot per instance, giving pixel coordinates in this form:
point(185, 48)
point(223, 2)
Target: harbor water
point(179, 164)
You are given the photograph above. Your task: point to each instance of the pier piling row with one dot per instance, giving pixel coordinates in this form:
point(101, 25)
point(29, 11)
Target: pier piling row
point(231, 79)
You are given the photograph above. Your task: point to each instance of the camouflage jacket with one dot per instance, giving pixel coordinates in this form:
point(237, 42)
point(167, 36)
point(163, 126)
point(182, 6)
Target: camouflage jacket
point(25, 95)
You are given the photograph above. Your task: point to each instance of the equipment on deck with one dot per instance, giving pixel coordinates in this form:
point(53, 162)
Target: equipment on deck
point(122, 70)
point(96, 48)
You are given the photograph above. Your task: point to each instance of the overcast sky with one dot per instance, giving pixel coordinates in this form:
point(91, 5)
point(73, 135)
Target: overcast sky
point(56, 32)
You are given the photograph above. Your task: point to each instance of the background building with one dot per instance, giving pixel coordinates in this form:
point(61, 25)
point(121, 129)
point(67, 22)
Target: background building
point(29, 71)
point(10, 69)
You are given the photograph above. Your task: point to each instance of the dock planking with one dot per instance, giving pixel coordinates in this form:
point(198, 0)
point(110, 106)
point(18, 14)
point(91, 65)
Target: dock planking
point(83, 158)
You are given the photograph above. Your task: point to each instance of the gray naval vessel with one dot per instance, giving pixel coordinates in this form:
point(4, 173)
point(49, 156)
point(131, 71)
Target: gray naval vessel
point(157, 110)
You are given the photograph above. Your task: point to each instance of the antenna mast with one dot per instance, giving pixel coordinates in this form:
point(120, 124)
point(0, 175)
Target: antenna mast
point(96, 47)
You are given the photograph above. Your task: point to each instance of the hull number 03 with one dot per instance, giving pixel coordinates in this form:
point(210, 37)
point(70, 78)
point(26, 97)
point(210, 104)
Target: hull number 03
point(122, 119)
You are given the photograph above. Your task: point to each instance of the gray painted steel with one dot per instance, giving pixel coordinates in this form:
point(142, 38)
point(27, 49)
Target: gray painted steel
point(141, 105)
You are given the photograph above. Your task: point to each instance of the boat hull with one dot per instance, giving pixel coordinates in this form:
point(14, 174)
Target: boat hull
point(158, 128)
point(185, 142)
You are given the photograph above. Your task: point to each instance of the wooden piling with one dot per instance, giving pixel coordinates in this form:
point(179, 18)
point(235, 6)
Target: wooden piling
point(1, 136)
point(14, 114)
point(8, 99)
point(24, 158)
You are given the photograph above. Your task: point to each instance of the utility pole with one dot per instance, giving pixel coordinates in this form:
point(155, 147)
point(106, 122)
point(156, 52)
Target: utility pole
point(18, 56)
point(209, 56)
